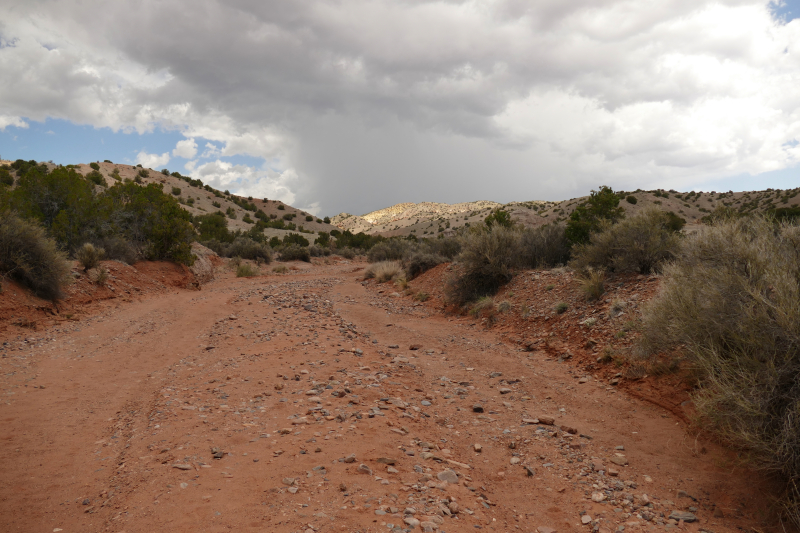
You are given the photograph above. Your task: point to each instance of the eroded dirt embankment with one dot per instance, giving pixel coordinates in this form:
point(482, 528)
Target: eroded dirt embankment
point(313, 401)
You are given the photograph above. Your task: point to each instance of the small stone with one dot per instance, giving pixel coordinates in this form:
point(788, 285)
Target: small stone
point(453, 507)
point(505, 390)
point(544, 529)
point(426, 403)
point(342, 487)
point(392, 470)
point(386, 461)
point(683, 515)
point(288, 481)
point(619, 461)
point(547, 420)
point(350, 458)
point(415, 347)
point(584, 379)
point(598, 497)
point(448, 475)
point(411, 521)
point(293, 490)
point(530, 471)
point(515, 460)
point(182, 467)
point(380, 512)
point(612, 472)
point(477, 447)
point(477, 408)
point(364, 469)
point(585, 519)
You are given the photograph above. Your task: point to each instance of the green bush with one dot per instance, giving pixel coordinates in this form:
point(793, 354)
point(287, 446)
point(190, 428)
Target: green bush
point(561, 307)
point(499, 217)
point(731, 299)
point(295, 238)
point(638, 244)
point(94, 166)
point(281, 207)
point(30, 257)
point(5, 177)
point(309, 218)
point(631, 199)
point(327, 220)
point(486, 262)
point(588, 217)
point(144, 173)
point(293, 252)
point(545, 246)
point(176, 191)
point(96, 178)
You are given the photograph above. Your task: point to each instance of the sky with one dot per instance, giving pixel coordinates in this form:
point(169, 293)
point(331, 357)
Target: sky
point(355, 105)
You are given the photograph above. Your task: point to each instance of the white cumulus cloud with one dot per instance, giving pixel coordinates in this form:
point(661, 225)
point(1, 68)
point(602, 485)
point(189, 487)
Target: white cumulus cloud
point(6, 121)
point(152, 160)
point(186, 149)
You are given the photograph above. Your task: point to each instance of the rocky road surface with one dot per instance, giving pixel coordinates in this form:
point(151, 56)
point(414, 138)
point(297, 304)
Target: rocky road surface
point(314, 402)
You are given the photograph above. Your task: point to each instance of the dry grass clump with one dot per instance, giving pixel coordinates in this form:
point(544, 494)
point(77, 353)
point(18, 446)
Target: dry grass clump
point(640, 244)
point(88, 256)
point(100, 275)
point(486, 261)
point(246, 270)
point(592, 284)
point(732, 299)
point(280, 269)
point(422, 296)
point(30, 257)
point(389, 250)
point(385, 271)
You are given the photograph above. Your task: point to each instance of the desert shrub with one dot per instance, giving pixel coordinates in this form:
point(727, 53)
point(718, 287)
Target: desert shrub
point(246, 249)
point(94, 166)
point(422, 296)
point(99, 275)
point(281, 207)
point(309, 218)
point(448, 248)
point(246, 270)
point(89, 256)
point(545, 246)
point(592, 284)
point(416, 263)
point(731, 299)
point(318, 251)
point(504, 306)
point(295, 238)
point(486, 261)
point(327, 220)
point(30, 257)
point(280, 269)
point(347, 253)
point(484, 307)
point(165, 172)
point(384, 271)
point(247, 219)
point(293, 252)
point(213, 226)
point(587, 218)
point(631, 199)
point(144, 173)
point(117, 248)
point(388, 250)
point(176, 191)
point(638, 244)
point(561, 307)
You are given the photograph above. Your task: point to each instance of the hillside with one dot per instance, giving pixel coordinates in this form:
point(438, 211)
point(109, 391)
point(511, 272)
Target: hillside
point(429, 219)
point(199, 199)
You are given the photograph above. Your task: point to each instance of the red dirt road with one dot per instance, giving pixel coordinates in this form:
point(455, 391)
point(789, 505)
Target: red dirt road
point(111, 423)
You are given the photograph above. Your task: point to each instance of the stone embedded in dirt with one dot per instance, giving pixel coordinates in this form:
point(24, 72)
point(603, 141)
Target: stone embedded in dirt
point(411, 521)
point(289, 481)
point(505, 390)
point(182, 467)
point(349, 459)
point(394, 346)
point(619, 461)
point(477, 447)
point(293, 490)
point(530, 420)
point(529, 471)
point(386, 461)
point(364, 469)
point(570, 430)
point(682, 515)
point(448, 475)
point(477, 408)
point(612, 472)
point(495, 374)
point(453, 507)
point(342, 487)
point(415, 347)
point(515, 460)
point(585, 519)
point(598, 497)
point(584, 379)
point(547, 420)
point(392, 470)
point(544, 529)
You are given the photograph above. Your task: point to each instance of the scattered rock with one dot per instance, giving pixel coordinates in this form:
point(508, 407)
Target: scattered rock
point(683, 515)
point(598, 497)
point(477, 408)
point(547, 420)
point(448, 475)
point(182, 467)
point(477, 447)
point(364, 469)
point(415, 347)
point(586, 519)
point(544, 529)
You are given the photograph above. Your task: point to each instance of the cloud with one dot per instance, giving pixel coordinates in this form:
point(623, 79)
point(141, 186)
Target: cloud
point(186, 149)
point(6, 121)
point(152, 160)
point(500, 99)
point(247, 181)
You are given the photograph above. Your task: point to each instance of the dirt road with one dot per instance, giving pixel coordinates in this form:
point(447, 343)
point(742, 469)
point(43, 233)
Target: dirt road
point(309, 401)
